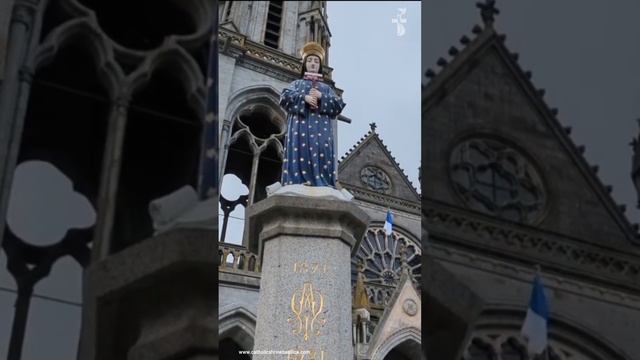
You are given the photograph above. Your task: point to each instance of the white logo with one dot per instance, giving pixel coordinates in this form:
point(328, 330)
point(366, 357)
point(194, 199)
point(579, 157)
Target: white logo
point(399, 20)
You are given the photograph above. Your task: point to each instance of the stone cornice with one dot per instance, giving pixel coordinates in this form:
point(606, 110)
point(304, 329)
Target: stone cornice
point(239, 278)
point(466, 258)
point(382, 199)
point(253, 50)
point(526, 245)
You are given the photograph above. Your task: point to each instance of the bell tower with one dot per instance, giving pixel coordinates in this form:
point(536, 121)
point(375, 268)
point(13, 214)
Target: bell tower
point(273, 23)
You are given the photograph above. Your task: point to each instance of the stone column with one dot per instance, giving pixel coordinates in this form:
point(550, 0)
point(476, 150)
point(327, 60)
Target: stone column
point(14, 92)
point(305, 292)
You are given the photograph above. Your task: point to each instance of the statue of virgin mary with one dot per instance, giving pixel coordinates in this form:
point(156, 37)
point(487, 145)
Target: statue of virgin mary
point(311, 105)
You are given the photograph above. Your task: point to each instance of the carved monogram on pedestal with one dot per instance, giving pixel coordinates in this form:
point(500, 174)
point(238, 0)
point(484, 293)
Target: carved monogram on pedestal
point(307, 305)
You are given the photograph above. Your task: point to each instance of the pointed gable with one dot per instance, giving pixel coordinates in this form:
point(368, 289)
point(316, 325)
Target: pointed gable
point(482, 93)
point(369, 167)
point(400, 321)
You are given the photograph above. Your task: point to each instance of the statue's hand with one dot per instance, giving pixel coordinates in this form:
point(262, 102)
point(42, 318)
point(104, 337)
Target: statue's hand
point(311, 100)
point(315, 93)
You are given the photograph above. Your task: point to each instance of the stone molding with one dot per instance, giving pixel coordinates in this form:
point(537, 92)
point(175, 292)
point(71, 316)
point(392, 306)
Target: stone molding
point(290, 64)
point(567, 339)
point(395, 339)
point(382, 199)
point(236, 316)
point(108, 56)
point(305, 216)
point(448, 254)
point(533, 246)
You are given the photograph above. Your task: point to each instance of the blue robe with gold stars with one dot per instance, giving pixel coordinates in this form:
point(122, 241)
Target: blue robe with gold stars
point(309, 157)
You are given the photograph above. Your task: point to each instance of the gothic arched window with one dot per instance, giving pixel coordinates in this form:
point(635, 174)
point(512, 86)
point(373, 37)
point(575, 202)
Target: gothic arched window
point(254, 155)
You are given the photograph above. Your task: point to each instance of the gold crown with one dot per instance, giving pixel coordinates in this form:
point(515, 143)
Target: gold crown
point(312, 48)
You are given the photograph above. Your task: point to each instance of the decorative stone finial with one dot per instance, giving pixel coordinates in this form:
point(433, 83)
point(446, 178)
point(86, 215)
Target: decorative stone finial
point(487, 11)
point(373, 127)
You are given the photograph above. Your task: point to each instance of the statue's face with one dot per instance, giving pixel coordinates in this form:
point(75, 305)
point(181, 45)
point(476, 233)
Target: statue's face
point(313, 63)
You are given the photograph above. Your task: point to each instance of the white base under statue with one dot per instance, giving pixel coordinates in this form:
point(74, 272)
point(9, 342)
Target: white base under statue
point(183, 209)
point(317, 192)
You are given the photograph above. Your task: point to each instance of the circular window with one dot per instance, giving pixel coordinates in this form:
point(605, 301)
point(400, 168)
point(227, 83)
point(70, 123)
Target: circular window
point(382, 258)
point(497, 179)
point(375, 179)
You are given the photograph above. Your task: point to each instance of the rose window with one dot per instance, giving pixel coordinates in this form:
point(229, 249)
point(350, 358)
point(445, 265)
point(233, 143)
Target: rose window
point(375, 179)
point(495, 178)
point(382, 259)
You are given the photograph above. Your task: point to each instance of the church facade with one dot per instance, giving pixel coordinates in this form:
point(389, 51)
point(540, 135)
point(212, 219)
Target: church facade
point(505, 191)
point(259, 45)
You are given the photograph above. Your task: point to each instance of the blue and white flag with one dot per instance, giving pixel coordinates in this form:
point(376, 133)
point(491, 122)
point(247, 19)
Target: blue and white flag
point(534, 329)
point(388, 223)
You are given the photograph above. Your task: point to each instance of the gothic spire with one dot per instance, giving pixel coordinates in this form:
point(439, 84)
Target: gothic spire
point(487, 11)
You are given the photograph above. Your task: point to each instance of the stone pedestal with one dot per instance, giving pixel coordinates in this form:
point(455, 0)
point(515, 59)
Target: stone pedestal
point(154, 300)
point(305, 290)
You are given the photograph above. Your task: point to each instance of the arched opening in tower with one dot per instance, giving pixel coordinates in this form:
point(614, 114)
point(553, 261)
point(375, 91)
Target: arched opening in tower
point(261, 121)
point(161, 153)
point(142, 24)
point(65, 130)
point(254, 157)
point(233, 195)
point(239, 160)
point(56, 181)
point(269, 169)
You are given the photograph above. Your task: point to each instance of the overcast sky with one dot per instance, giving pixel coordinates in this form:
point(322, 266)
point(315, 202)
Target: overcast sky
point(585, 53)
point(379, 72)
